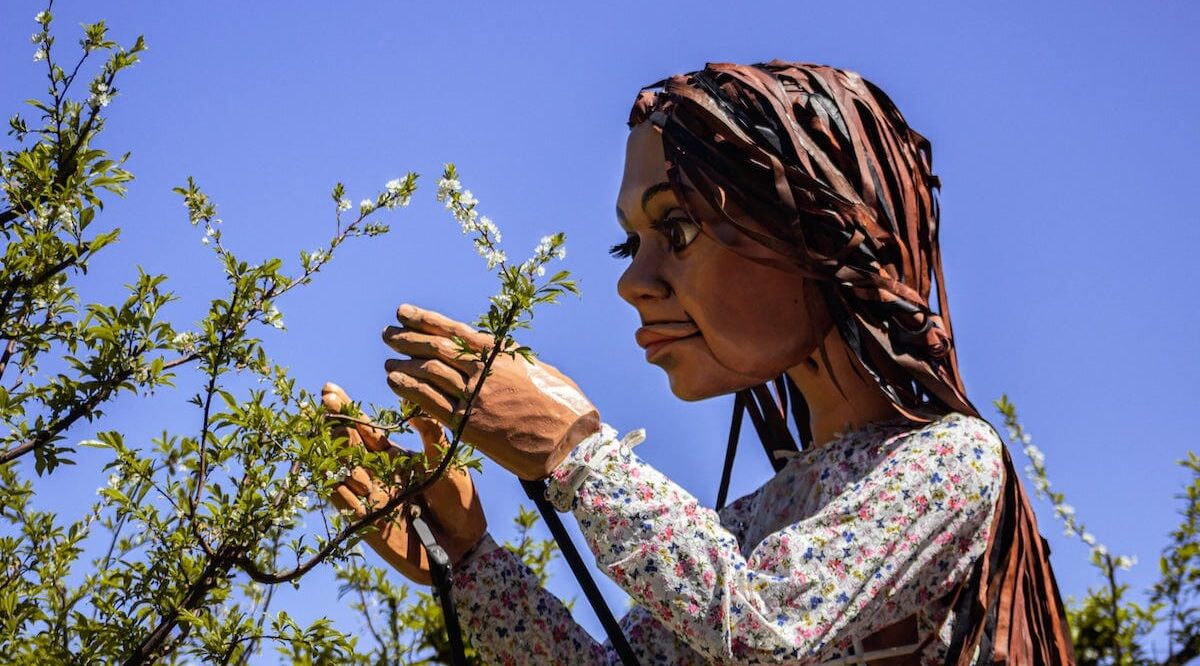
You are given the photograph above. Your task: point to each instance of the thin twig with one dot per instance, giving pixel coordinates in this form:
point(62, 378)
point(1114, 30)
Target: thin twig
point(251, 568)
point(1110, 571)
point(386, 428)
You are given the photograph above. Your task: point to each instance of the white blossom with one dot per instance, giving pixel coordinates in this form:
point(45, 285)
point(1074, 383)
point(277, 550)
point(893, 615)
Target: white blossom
point(467, 199)
point(274, 317)
point(39, 55)
point(502, 300)
point(366, 205)
point(1064, 510)
point(1088, 538)
point(488, 227)
point(493, 256)
point(42, 17)
point(1126, 562)
point(343, 205)
point(1035, 455)
point(396, 196)
point(101, 95)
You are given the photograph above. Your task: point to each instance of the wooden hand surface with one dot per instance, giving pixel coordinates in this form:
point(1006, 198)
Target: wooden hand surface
point(452, 507)
point(528, 415)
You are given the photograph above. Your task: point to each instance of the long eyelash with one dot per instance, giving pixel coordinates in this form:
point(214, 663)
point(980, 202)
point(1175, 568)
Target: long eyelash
point(666, 226)
point(623, 250)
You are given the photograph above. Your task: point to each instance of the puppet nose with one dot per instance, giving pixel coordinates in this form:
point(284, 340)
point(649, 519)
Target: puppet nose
point(642, 281)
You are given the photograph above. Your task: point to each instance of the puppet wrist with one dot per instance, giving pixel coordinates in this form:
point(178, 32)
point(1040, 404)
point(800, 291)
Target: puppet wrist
point(591, 457)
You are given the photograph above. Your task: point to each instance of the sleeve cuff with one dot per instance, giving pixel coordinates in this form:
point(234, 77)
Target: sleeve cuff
point(486, 545)
point(586, 459)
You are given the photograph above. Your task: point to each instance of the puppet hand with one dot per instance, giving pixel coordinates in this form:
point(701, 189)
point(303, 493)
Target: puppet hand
point(528, 415)
point(457, 520)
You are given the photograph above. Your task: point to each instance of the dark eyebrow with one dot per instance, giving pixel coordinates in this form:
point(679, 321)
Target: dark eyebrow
point(653, 191)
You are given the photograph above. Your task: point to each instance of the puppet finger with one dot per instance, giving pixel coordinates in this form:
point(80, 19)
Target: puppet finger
point(359, 482)
point(436, 323)
point(454, 492)
point(423, 346)
point(334, 398)
point(344, 498)
point(428, 398)
point(440, 375)
point(433, 436)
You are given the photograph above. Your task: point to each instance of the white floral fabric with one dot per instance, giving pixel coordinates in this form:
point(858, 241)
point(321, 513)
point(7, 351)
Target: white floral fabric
point(876, 525)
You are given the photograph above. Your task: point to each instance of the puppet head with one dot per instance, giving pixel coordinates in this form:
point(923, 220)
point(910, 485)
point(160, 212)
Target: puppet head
point(818, 166)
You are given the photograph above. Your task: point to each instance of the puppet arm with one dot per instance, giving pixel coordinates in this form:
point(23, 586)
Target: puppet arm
point(512, 619)
point(899, 538)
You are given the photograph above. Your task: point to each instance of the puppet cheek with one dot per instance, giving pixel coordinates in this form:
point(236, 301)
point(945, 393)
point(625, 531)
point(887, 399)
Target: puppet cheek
point(558, 391)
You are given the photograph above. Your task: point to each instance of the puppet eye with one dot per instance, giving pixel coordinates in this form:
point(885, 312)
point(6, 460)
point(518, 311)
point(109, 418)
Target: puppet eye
point(680, 231)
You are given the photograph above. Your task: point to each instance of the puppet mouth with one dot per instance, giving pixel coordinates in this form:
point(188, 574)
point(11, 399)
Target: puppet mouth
point(654, 337)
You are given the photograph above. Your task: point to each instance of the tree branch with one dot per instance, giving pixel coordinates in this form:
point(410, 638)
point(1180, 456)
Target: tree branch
point(252, 570)
point(77, 412)
point(213, 371)
point(1187, 652)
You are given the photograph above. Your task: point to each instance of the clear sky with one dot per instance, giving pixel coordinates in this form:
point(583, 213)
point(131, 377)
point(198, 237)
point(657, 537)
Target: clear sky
point(1064, 135)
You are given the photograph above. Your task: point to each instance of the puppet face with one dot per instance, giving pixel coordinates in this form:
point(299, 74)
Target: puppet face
point(715, 321)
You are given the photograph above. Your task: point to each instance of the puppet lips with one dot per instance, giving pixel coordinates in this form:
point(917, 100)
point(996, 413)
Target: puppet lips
point(665, 331)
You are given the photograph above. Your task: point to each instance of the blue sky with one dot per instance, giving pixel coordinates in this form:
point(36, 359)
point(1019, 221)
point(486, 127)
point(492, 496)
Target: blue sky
point(1063, 133)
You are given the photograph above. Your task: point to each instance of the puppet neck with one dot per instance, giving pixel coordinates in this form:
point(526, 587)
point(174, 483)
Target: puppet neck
point(841, 397)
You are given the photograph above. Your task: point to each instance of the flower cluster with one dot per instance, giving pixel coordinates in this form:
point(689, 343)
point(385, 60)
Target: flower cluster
point(398, 192)
point(39, 38)
point(101, 94)
point(1036, 471)
point(461, 203)
point(550, 247)
point(273, 317)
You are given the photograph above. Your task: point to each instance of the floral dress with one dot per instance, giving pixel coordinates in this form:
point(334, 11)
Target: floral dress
point(850, 537)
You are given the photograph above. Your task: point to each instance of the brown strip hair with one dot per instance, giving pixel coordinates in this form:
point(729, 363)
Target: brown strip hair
point(818, 165)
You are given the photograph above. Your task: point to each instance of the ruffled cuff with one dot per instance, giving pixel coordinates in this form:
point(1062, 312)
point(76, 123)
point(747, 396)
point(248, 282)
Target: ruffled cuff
point(587, 461)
